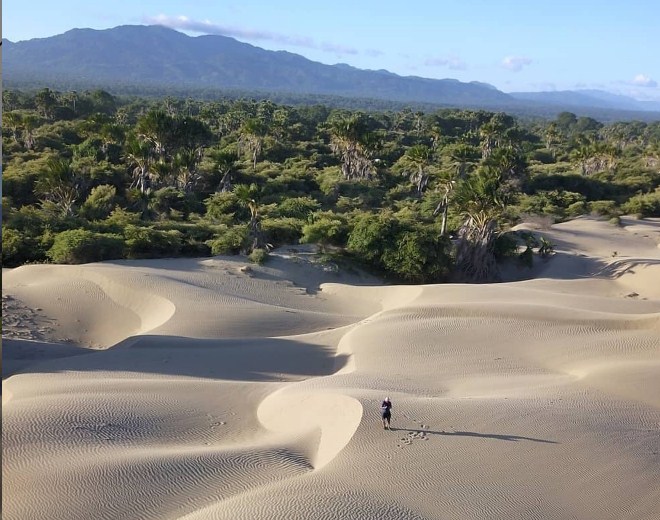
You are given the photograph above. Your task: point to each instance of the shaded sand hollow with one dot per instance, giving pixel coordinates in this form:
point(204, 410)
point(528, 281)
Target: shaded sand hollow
point(207, 392)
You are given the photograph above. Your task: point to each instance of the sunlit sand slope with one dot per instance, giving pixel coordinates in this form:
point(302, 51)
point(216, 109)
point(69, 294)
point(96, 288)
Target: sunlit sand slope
point(219, 394)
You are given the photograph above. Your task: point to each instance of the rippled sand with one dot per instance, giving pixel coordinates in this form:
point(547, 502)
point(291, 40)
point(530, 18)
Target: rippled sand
point(204, 391)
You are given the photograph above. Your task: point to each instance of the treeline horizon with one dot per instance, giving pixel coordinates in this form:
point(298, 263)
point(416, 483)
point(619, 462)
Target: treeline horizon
point(126, 92)
point(417, 196)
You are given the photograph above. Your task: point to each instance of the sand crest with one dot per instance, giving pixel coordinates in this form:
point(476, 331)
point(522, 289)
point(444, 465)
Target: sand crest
point(195, 389)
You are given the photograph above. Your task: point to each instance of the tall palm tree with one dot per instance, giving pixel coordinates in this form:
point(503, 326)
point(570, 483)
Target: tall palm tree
point(253, 133)
point(462, 159)
point(156, 127)
point(30, 123)
point(109, 133)
point(652, 155)
point(552, 136)
point(351, 140)
point(248, 197)
point(419, 157)
point(480, 198)
point(140, 155)
point(46, 102)
point(493, 132)
point(185, 164)
point(59, 185)
point(14, 122)
point(225, 163)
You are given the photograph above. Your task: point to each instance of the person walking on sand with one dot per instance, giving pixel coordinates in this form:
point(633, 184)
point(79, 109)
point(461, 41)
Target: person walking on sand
point(386, 413)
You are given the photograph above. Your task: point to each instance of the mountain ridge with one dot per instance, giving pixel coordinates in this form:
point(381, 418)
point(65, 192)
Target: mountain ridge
point(170, 57)
point(158, 57)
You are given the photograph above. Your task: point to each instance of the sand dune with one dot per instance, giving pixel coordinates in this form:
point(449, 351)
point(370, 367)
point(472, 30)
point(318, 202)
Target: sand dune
point(194, 389)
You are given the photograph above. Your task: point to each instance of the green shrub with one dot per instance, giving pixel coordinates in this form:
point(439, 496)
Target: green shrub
point(325, 231)
point(168, 200)
point(505, 246)
point(258, 256)
point(100, 203)
point(228, 241)
point(576, 209)
point(298, 207)
point(645, 205)
point(604, 208)
point(145, 242)
point(403, 249)
point(221, 205)
point(371, 236)
point(283, 230)
point(77, 246)
point(418, 256)
point(15, 247)
point(19, 186)
point(543, 155)
point(120, 218)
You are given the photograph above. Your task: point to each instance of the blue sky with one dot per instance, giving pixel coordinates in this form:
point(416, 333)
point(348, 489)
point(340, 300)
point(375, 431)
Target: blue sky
point(516, 45)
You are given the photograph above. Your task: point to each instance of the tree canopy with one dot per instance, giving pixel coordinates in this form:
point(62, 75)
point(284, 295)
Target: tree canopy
point(415, 196)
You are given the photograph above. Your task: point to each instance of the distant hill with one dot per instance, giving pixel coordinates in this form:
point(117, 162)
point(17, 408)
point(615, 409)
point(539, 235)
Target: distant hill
point(157, 56)
point(139, 59)
point(587, 98)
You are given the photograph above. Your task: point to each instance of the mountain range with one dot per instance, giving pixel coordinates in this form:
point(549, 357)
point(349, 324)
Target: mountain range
point(156, 57)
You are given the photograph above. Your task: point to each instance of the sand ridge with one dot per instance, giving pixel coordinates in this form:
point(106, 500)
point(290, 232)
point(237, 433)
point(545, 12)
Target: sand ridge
point(218, 392)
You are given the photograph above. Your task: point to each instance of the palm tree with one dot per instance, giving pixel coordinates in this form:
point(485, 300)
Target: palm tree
point(110, 134)
point(462, 157)
point(480, 198)
point(46, 101)
point(140, 155)
point(552, 136)
point(446, 186)
point(652, 155)
point(493, 132)
point(14, 122)
point(419, 123)
point(247, 197)
point(59, 185)
point(225, 163)
point(351, 140)
point(581, 156)
point(156, 127)
point(419, 157)
point(70, 97)
point(593, 156)
point(185, 163)
point(253, 133)
point(30, 122)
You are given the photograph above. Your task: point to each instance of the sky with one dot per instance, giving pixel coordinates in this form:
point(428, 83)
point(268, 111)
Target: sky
point(515, 45)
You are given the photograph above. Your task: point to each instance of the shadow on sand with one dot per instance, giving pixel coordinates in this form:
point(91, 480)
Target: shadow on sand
point(498, 436)
point(240, 359)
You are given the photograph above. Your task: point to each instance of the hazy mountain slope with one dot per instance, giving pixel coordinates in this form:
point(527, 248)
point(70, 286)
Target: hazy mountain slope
point(587, 98)
point(158, 56)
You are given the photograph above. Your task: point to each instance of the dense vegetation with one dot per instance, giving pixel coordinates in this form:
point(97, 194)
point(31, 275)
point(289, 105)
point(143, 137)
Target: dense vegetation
point(416, 196)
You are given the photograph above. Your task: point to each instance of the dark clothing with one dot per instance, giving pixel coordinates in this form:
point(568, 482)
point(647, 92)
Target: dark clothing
point(385, 409)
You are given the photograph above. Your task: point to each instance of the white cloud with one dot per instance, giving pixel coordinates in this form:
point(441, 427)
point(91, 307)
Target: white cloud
point(452, 62)
point(206, 27)
point(642, 80)
point(516, 63)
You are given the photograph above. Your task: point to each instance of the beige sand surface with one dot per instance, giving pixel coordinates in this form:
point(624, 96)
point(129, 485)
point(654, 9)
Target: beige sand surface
point(207, 392)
